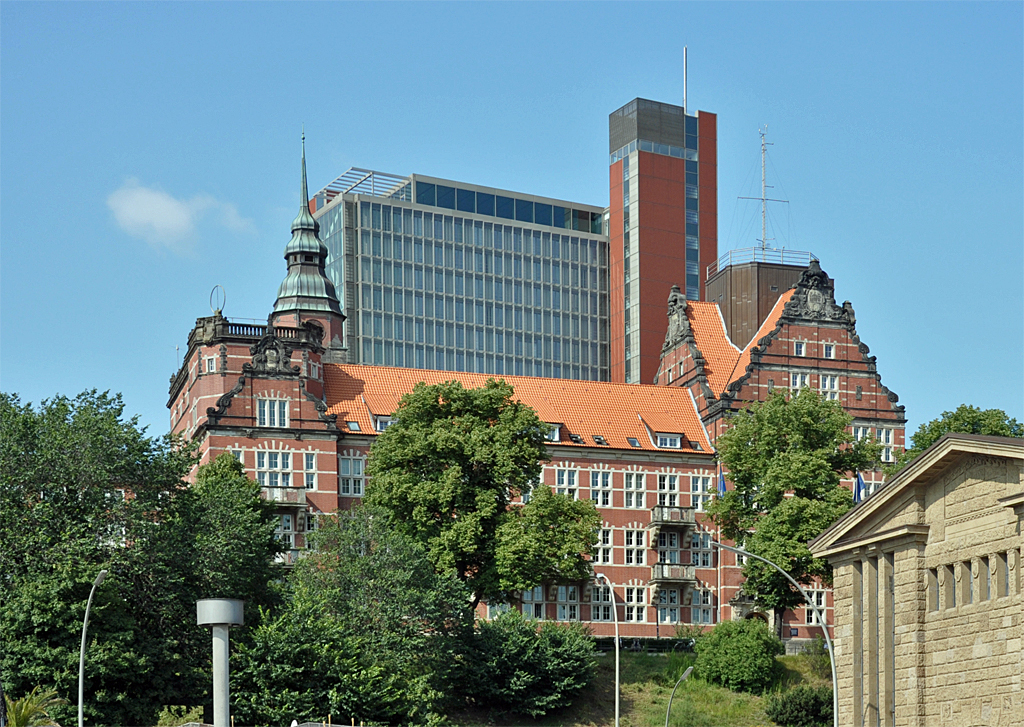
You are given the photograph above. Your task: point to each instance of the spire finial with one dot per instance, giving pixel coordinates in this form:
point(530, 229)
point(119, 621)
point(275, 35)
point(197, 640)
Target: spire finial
point(305, 193)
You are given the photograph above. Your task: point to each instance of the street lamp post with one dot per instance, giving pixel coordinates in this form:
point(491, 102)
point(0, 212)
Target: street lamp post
point(818, 614)
point(615, 618)
point(81, 654)
point(668, 709)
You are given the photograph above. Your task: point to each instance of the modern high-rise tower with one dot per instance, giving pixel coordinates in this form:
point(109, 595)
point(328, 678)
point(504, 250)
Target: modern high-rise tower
point(663, 224)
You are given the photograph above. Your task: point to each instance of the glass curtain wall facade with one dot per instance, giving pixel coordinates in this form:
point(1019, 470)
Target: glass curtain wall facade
point(449, 276)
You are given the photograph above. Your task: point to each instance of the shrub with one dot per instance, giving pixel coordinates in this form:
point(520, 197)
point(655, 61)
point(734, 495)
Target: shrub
point(801, 707)
point(739, 655)
point(520, 668)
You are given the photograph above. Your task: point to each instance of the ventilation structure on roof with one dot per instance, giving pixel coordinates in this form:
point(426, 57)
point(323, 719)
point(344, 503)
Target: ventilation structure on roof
point(598, 439)
point(576, 439)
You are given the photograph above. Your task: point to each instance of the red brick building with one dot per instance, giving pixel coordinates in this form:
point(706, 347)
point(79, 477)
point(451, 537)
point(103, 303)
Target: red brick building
point(803, 338)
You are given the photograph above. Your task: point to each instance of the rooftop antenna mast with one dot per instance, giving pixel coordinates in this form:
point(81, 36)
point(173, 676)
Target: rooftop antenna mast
point(684, 80)
point(764, 187)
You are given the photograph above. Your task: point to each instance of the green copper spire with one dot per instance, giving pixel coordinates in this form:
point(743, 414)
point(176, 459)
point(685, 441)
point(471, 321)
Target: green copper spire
point(306, 287)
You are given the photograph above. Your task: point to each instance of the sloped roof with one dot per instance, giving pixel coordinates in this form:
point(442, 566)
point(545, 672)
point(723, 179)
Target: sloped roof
point(358, 393)
point(709, 334)
point(743, 360)
point(921, 470)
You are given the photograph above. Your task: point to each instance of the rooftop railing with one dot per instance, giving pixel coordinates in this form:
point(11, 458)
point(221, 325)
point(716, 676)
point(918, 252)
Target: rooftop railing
point(772, 255)
point(365, 181)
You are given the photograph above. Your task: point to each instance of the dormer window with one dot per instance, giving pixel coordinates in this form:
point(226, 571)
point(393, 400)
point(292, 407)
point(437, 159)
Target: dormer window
point(353, 426)
point(554, 433)
point(383, 423)
point(633, 442)
point(669, 441)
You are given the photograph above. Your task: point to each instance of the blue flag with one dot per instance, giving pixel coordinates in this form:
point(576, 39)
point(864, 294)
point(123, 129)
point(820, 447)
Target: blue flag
point(721, 484)
point(859, 489)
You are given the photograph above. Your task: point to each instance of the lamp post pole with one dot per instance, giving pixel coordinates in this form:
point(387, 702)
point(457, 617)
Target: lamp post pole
point(818, 614)
point(615, 618)
point(81, 654)
point(668, 709)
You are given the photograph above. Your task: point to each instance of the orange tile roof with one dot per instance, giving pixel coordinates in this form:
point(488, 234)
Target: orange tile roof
point(767, 327)
point(711, 338)
point(357, 393)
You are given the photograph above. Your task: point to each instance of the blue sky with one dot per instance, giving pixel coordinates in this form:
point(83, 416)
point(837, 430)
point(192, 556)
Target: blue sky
point(150, 151)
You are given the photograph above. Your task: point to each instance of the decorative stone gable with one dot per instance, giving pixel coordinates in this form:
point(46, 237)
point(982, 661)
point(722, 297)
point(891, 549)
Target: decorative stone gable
point(814, 300)
point(270, 357)
point(678, 323)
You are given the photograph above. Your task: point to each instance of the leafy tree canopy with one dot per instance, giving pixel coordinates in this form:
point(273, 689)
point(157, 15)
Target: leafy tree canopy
point(448, 468)
point(372, 632)
point(787, 444)
point(966, 419)
point(82, 489)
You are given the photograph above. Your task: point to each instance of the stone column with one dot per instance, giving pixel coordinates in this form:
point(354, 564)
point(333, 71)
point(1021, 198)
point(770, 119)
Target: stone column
point(857, 647)
point(885, 652)
point(911, 593)
point(871, 640)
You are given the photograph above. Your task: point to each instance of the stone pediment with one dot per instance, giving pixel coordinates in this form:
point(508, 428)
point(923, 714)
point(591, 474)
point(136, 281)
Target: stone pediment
point(953, 488)
point(814, 299)
point(270, 357)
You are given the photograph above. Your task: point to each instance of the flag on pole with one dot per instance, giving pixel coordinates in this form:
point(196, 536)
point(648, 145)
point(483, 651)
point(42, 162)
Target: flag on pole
point(721, 484)
point(858, 489)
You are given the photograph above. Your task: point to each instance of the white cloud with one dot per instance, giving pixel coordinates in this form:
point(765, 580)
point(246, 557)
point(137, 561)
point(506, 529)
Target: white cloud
point(164, 221)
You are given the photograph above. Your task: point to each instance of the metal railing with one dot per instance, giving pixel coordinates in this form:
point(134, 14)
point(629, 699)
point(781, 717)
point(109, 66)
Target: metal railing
point(772, 255)
point(289, 495)
point(365, 181)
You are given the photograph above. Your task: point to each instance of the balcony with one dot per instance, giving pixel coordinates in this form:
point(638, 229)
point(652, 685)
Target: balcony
point(663, 574)
point(285, 495)
point(678, 519)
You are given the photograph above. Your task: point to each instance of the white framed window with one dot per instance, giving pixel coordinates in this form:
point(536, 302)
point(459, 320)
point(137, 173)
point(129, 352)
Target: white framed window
point(634, 486)
point(310, 475)
point(601, 488)
point(601, 603)
point(271, 413)
point(211, 364)
point(860, 433)
point(799, 348)
point(798, 381)
point(700, 550)
point(829, 350)
point(604, 550)
point(829, 387)
point(284, 533)
point(554, 433)
point(667, 487)
point(702, 611)
point(668, 441)
point(635, 548)
point(668, 606)
point(274, 469)
point(668, 547)
point(636, 604)
point(382, 423)
point(237, 454)
point(565, 483)
point(350, 476)
point(314, 370)
point(533, 602)
point(568, 603)
point(818, 596)
point(886, 439)
point(701, 491)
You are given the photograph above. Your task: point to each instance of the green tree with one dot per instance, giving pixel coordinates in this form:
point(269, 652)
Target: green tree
point(965, 420)
point(739, 655)
point(448, 468)
point(84, 489)
point(518, 668)
point(32, 710)
point(786, 457)
point(372, 632)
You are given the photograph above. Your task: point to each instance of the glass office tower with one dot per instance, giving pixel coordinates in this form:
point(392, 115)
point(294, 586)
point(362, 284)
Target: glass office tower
point(444, 275)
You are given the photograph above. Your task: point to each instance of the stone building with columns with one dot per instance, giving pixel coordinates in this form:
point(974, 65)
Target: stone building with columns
point(928, 592)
